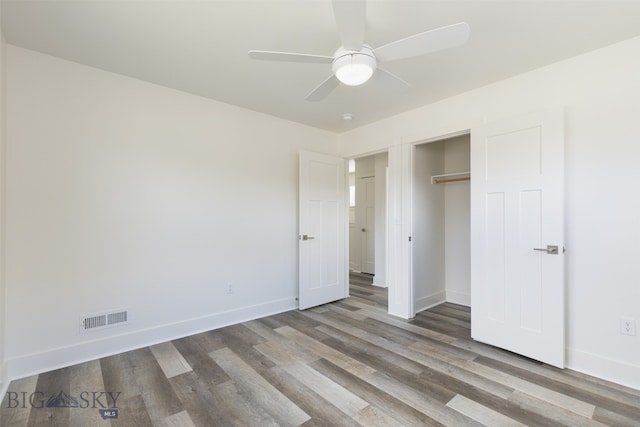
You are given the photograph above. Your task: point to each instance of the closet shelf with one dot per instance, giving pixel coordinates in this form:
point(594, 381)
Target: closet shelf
point(450, 177)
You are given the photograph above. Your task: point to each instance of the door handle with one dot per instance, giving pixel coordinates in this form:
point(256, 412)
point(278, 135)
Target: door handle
point(305, 237)
point(550, 249)
point(364, 229)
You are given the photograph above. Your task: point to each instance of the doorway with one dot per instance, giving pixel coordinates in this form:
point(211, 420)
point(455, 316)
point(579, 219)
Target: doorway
point(368, 217)
point(441, 223)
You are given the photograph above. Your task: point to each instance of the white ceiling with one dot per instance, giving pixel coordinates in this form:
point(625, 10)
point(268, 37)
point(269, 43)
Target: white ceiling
point(201, 46)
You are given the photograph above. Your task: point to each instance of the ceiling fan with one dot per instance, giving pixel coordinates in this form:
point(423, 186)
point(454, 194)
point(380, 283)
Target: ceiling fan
point(355, 62)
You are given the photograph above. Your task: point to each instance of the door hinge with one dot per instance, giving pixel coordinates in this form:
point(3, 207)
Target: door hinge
point(409, 238)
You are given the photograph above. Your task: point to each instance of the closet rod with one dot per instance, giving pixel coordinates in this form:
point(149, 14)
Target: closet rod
point(445, 180)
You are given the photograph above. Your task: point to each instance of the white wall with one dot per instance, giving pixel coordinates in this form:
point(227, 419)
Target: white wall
point(600, 92)
point(381, 161)
point(3, 372)
point(124, 194)
point(457, 222)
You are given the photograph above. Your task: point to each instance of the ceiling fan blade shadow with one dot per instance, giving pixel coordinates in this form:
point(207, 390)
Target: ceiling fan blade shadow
point(350, 18)
point(267, 55)
point(323, 89)
point(423, 43)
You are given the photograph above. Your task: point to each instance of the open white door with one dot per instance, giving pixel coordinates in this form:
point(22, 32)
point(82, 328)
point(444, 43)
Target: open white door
point(517, 219)
point(323, 230)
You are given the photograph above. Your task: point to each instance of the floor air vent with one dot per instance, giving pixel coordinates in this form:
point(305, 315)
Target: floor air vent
point(95, 322)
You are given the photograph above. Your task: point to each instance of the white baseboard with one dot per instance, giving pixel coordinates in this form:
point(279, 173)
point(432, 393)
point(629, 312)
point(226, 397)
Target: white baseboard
point(616, 371)
point(429, 301)
point(66, 356)
point(381, 283)
point(459, 298)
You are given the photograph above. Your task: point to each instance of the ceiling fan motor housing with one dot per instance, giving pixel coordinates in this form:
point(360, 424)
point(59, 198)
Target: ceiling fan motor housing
point(354, 67)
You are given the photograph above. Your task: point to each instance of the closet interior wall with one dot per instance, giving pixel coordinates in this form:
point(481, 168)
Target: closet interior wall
point(441, 219)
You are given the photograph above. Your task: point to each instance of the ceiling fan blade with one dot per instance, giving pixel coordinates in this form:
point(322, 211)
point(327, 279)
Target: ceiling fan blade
point(390, 81)
point(350, 18)
point(267, 55)
point(423, 43)
point(323, 89)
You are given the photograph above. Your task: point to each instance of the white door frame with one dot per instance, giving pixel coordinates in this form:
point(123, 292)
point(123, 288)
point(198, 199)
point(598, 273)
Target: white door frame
point(399, 220)
point(383, 280)
point(400, 224)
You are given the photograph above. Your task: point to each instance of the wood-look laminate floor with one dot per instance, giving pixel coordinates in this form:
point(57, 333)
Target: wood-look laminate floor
point(343, 364)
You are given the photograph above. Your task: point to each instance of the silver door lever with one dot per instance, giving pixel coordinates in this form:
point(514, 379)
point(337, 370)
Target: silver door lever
point(305, 237)
point(550, 249)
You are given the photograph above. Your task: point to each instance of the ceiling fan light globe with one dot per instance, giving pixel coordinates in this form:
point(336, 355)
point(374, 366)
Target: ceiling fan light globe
point(354, 74)
point(354, 69)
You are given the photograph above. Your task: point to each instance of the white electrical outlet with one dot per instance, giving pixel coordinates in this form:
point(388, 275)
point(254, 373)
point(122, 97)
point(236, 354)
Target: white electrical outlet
point(627, 326)
point(229, 288)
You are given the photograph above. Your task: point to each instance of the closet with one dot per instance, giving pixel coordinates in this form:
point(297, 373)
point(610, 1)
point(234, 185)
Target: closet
point(441, 223)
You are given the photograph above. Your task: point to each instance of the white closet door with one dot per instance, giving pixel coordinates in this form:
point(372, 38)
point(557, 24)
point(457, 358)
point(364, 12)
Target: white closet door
point(517, 199)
